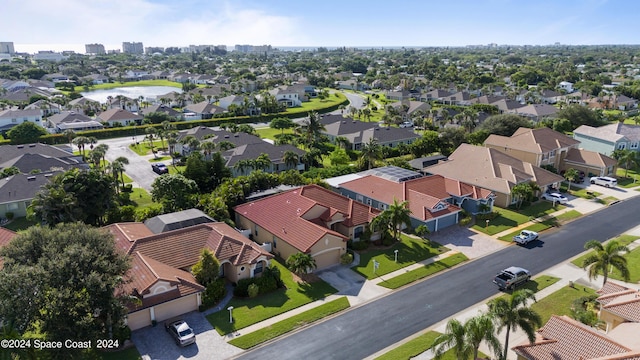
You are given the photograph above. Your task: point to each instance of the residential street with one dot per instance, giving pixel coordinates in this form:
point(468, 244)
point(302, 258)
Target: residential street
point(366, 329)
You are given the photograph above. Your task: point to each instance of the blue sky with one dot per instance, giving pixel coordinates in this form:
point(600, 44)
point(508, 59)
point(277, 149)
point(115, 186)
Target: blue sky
point(69, 24)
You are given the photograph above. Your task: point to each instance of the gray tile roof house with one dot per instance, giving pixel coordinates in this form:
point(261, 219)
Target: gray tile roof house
point(113, 116)
point(204, 109)
point(27, 163)
point(17, 191)
point(72, 120)
point(359, 132)
point(252, 151)
point(606, 139)
point(536, 111)
point(9, 152)
point(162, 109)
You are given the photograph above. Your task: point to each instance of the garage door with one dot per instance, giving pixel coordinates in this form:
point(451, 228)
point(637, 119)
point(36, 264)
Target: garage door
point(327, 259)
point(446, 221)
point(139, 319)
point(176, 307)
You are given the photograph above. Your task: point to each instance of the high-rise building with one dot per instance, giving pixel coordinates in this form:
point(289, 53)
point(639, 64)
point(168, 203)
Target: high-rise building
point(132, 48)
point(153, 49)
point(7, 48)
point(94, 49)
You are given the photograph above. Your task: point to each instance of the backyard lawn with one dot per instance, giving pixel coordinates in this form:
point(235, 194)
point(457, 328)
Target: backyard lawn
point(269, 133)
point(410, 251)
point(116, 84)
point(141, 197)
point(249, 311)
point(18, 224)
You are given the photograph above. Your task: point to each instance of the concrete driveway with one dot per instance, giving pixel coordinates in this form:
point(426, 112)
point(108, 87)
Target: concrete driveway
point(156, 343)
point(472, 244)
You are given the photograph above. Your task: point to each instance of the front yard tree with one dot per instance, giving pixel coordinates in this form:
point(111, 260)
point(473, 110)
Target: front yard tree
point(521, 192)
point(174, 191)
point(571, 175)
point(513, 313)
point(398, 215)
point(206, 270)
point(282, 123)
point(628, 158)
point(62, 282)
point(604, 257)
point(301, 263)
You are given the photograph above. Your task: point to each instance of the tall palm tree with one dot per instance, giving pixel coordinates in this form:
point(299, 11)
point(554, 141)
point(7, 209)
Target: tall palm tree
point(571, 175)
point(399, 214)
point(225, 145)
point(151, 135)
point(208, 147)
point(262, 162)
point(371, 151)
point(290, 159)
point(604, 257)
point(452, 338)
point(628, 159)
point(242, 165)
point(342, 142)
point(481, 328)
point(513, 313)
point(312, 129)
point(117, 167)
point(69, 134)
point(80, 142)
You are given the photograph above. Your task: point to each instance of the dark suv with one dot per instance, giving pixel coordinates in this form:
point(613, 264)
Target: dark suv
point(159, 168)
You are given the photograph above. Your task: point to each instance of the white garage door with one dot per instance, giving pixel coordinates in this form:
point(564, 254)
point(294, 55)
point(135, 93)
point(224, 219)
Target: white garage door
point(176, 307)
point(139, 319)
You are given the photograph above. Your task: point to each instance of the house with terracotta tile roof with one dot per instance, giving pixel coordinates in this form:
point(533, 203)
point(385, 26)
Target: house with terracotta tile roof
point(619, 305)
point(309, 219)
point(434, 201)
point(6, 236)
point(160, 275)
point(544, 146)
point(494, 170)
point(564, 338)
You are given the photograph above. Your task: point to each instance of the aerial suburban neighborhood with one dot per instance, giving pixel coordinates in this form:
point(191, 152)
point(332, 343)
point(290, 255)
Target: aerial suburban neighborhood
point(348, 203)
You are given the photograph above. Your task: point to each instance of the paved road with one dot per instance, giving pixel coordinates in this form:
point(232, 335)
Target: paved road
point(372, 327)
point(139, 168)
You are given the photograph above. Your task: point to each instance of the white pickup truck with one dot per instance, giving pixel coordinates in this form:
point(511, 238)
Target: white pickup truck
point(525, 237)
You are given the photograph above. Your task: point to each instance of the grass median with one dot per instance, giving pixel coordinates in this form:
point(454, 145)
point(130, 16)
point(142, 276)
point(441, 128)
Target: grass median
point(417, 346)
point(282, 327)
point(423, 272)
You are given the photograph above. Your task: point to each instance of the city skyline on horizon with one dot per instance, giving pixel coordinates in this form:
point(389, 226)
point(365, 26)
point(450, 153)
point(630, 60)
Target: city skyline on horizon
point(70, 24)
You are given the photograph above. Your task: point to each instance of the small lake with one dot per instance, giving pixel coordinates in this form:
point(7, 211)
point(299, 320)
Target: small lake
point(133, 92)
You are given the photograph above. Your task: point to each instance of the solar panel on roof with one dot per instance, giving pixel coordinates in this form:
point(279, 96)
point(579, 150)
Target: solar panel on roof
point(393, 173)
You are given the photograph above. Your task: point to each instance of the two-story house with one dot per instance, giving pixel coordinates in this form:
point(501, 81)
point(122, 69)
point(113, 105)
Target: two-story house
point(608, 138)
point(11, 118)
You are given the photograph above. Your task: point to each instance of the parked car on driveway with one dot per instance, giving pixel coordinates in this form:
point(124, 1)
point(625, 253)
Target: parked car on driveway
point(604, 181)
point(555, 197)
point(525, 237)
point(160, 168)
point(406, 124)
point(181, 332)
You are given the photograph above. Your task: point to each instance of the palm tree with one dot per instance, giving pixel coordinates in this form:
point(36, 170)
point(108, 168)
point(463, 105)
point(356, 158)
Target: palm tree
point(521, 192)
point(628, 158)
point(151, 134)
point(342, 141)
point(225, 145)
point(605, 257)
point(399, 214)
point(371, 152)
point(208, 147)
point(80, 142)
point(242, 165)
point(481, 328)
point(571, 175)
point(290, 159)
point(513, 313)
point(117, 167)
point(262, 162)
point(301, 263)
point(312, 128)
point(454, 337)
point(69, 134)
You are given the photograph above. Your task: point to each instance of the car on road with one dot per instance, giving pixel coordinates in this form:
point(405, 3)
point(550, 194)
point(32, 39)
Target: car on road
point(181, 332)
point(406, 124)
point(511, 277)
point(160, 168)
point(604, 181)
point(555, 197)
point(525, 237)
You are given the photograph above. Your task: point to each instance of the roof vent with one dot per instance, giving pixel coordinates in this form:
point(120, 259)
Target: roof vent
point(48, 175)
point(344, 121)
point(236, 135)
point(226, 136)
point(20, 146)
point(32, 145)
point(31, 178)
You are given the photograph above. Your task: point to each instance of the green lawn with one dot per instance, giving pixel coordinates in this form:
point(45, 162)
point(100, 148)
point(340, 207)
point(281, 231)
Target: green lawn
point(176, 169)
point(282, 327)
point(18, 224)
point(633, 260)
point(141, 197)
point(116, 84)
point(410, 251)
point(569, 215)
point(510, 218)
point(316, 103)
point(250, 311)
point(559, 303)
point(143, 148)
point(269, 133)
point(161, 158)
point(424, 271)
point(632, 179)
point(417, 346)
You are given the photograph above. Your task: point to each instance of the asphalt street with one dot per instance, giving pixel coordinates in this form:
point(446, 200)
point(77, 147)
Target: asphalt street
point(371, 327)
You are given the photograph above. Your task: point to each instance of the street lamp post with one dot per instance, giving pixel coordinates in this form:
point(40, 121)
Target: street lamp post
point(395, 252)
point(230, 308)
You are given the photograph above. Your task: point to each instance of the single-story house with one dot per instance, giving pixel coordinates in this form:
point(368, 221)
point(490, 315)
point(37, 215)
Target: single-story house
point(119, 116)
point(359, 132)
point(160, 274)
point(309, 219)
point(491, 169)
point(535, 112)
point(201, 111)
point(434, 201)
point(71, 120)
point(619, 308)
point(252, 151)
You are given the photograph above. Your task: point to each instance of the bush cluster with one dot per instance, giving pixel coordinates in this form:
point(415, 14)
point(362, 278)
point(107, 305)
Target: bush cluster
point(213, 293)
point(269, 281)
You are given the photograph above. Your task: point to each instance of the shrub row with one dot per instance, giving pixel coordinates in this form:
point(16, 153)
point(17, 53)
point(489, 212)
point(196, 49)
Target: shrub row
point(213, 293)
point(265, 284)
